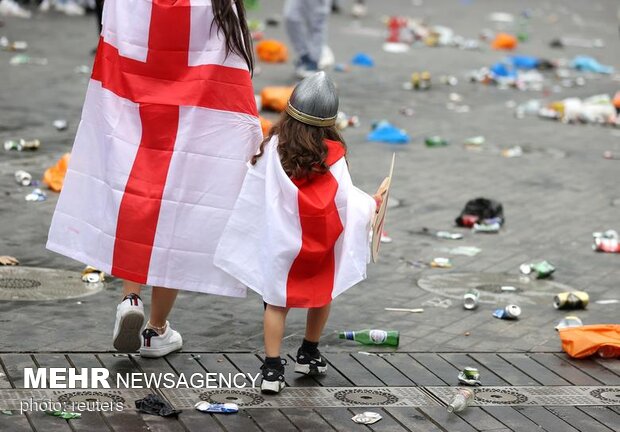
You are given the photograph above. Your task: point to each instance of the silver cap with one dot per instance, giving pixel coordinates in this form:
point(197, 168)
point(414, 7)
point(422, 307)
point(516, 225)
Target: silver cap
point(314, 101)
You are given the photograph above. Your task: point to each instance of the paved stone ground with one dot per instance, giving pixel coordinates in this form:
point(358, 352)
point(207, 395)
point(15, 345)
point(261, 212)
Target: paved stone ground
point(554, 196)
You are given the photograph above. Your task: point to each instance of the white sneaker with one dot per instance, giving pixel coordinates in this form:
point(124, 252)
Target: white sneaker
point(359, 10)
point(129, 321)
point(45, 6)
point(156, 345)
point(12, 8)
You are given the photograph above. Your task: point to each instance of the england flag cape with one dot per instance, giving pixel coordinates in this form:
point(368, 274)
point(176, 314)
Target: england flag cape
point(298, 243)
point(167, 128)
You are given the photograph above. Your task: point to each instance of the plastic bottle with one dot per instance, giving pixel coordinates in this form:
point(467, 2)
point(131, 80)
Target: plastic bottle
point(372, 337)
point(461, 400)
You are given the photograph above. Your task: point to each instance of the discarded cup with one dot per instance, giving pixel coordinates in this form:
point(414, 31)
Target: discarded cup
point(542, 269)
point(469, 376)
point(461, 400)
point(217, 408)
point(569, 321)
point(571, 300)
point(23, 178)
point(367, 417)
point(471, 299)
point(510, 312)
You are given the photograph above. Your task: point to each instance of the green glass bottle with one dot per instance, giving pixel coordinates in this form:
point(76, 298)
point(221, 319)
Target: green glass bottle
point(372, 337)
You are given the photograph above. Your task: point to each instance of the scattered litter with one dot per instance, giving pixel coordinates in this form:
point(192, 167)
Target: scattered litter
point(385, 132)
point(217, 408)
point(438, 302)
point(446, 235)
point(491, 225)
point(344, 121)
point(571, 300)
point(507, 288)
point(569, 321)
point(272, 51)
point(504, 41)
point(588, 340)
point(469, 251)
point(7, 412)
point(22, 145)
point(23, 178)
point(395, 47)
point(362, 59)
point(22, 59)
point(512, 152)
point(82, 69)
point(443, 263)
point(367, 417)
point(7, 45)
point(590, 64)
point(92, 275)
point(469, 376)
point(60, 124)
point(482, 211)
point(607, 241)
point(541, 270)
point(474, 143)
point(461, 400)
point(435, 141)
point(275, 98)
point(510, 312)
point(54, 176)
point(36, 195)
point(607, 301)
point(576, 42)
point(471, 299)
point(66, 415)
point(372, 337)
point(421, 80)
point(153, 404)
point(418, 310)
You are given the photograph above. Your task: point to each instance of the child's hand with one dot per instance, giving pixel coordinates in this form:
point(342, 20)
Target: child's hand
point(379, 196)
point(378, 200)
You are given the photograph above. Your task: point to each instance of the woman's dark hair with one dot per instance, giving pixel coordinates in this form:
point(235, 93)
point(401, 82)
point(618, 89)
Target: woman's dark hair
point(301, 147)
point(235, 28)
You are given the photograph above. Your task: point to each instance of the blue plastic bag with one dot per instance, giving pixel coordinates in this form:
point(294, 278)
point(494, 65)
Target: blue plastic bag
point(388, 133)
point(503, 70)
point(362, 59)
point(589, 64)
point(525, 62)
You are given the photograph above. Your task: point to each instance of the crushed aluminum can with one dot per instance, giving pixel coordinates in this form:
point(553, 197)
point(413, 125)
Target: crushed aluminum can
point(510, 312)
point(60, 124)
point(607, 241)
point(441, 263)
point(92, 275)
point(367, 417)
point(217, 408)
point(485, 227)
point(542, 269)
point(568, 322)
point(469, 376)
point(36, 195)
point(471, 299)
point(448, 235)
point(23, 178)
point(571, 300)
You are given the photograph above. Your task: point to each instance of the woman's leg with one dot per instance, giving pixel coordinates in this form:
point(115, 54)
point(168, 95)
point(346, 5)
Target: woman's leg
point(273, 327)
point(315, 322)
point(162, 301)
point(131, 288)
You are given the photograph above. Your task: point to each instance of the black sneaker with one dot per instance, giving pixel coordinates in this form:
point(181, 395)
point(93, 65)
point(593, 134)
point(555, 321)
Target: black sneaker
point(273, 379)
point(310, 365)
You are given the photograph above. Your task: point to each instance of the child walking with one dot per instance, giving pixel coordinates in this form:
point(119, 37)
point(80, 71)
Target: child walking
point(299, 231)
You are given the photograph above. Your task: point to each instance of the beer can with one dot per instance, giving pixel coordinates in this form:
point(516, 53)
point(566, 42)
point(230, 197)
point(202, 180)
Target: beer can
point(568, 322)
point(469, 376)
point(471, 373)
point(571, 300)
point(471, 298)
point(218, 408)
point(510, 312)
point(23, 178)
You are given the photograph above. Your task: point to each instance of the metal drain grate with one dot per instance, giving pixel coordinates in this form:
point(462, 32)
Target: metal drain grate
point(527, 291)
point(12, 399)
point(37, 284)
point(541, 396)
point(305, 397)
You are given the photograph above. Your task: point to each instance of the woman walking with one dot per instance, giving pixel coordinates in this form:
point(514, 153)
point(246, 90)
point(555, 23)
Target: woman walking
point(167, 128)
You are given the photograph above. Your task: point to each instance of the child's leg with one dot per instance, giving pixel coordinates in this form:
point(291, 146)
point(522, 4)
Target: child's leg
point(273, 328)
point(315, 322)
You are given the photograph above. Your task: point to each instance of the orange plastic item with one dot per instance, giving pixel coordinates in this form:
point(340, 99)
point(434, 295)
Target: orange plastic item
point(504, 41)
point(275, 98)
point(584, 341)
point(272, 51)
point(616, 100)
point(54, 176)
point(265, 125)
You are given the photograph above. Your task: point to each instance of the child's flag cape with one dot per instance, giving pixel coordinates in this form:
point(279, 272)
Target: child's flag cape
point(168, 125)
point(298, 243)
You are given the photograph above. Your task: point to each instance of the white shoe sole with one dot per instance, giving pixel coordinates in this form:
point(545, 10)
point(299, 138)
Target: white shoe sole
point(128, 338)
point(271, 387)
point(307, 370)
point(161, 351)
